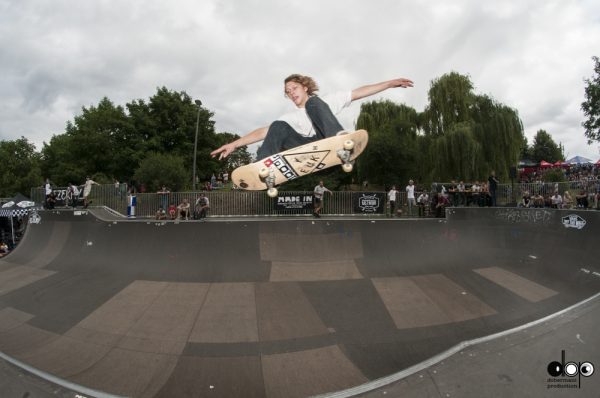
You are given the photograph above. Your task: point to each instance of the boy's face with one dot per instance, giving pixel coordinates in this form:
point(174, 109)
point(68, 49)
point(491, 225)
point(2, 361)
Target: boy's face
point(297, 93)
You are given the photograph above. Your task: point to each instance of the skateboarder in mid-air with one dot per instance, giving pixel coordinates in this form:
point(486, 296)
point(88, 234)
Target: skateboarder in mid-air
point(313, 119)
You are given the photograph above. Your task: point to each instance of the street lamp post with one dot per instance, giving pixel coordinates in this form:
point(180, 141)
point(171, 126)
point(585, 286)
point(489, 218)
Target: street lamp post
point(199, 103)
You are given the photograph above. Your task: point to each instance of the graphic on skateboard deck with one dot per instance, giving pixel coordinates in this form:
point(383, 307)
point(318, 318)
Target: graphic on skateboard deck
point(300, 161)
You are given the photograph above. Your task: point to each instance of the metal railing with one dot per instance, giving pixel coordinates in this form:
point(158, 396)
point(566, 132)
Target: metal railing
point(256, 203)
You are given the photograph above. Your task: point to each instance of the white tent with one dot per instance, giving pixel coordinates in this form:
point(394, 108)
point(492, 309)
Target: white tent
point(16, 207)
point(579, 160)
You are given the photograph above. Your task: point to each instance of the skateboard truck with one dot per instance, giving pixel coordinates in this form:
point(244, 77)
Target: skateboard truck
point(344, 155)
point(267, 174)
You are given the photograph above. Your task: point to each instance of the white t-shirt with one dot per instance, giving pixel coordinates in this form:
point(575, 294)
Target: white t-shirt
point(319, 191)
point(410, 191)
point(392, 195)
point(298, 119)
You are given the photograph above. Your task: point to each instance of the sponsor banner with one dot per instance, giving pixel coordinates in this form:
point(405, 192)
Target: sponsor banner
point(574, 221)
point(368, 202)
point(289, 201)
point(63, 197)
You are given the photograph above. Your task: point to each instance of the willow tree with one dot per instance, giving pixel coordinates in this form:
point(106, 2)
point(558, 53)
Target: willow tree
point(391, 156)
point(470, 134)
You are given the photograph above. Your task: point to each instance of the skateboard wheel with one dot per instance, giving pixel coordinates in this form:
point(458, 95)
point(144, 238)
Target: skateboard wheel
point(348, 145)
point(263, 172)
point(347, 167)
point(272, 192)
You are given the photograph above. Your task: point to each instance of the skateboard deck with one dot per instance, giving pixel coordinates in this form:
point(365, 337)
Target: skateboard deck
point(300, 161)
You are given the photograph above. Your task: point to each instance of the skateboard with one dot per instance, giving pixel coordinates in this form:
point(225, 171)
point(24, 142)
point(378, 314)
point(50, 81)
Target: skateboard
point(297, 162)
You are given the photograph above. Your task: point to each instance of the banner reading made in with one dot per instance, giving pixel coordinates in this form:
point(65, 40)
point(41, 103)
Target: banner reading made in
point(368, 202)
point(292, 201)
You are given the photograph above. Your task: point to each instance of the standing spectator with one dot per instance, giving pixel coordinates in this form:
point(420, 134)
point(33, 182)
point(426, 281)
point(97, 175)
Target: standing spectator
point(493, 187)
point(462, 198)
point(87, 189)
point(392, 196)
point(410, 197)
point(117, 187)
point(422, 202)
point(47, 190)
point(163, 194)
point(225, 177)
point(72, 195)
point(213, 181)
point(319, 191)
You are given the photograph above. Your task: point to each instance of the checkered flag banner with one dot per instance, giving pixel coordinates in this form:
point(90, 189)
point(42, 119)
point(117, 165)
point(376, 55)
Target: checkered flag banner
point(14, 212)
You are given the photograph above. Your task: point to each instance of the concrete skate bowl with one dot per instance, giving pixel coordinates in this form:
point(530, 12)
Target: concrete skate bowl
point(279, 308)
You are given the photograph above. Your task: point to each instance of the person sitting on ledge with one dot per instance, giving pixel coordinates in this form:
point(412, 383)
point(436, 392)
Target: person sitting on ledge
point(184, 210)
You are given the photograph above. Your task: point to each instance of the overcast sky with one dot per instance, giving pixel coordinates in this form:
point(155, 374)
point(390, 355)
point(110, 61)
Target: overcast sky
point(57, 56)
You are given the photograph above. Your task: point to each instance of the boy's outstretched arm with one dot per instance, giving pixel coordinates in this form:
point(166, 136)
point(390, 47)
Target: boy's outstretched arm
point(368, 90)
point(250, 138)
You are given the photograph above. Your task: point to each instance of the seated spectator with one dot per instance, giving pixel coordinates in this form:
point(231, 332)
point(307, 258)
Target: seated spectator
point(172, 210)
point(525, 200)
point(538, 201)
point(582, 200)
point(3, 249)
point(568, 200)
point(51, 201)
point(475, 192)
point(422, 203)
point(556, 201)
point(201, 208)
point(184, 210)
point(441, 204)
point(161, 214)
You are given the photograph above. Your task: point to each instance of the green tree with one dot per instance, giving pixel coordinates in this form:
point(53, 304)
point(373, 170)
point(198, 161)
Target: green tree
point(20, 167)
point(159, 169)
point(591, 105)
point(544, 148)
point(391, 156)
point(467, 135)
point(97, 141)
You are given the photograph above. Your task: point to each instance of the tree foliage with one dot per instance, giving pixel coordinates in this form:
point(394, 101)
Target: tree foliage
point(459, 135)
point(114, 141)
point(159, 169)
point(591, 105)
point(20, 167)
point(544, 148)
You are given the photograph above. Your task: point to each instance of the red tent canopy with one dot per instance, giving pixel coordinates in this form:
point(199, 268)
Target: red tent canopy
point(598, 162)
point(543, 163)
point(558, 163)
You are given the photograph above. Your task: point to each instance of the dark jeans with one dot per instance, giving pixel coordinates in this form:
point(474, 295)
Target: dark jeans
point(282, 136)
